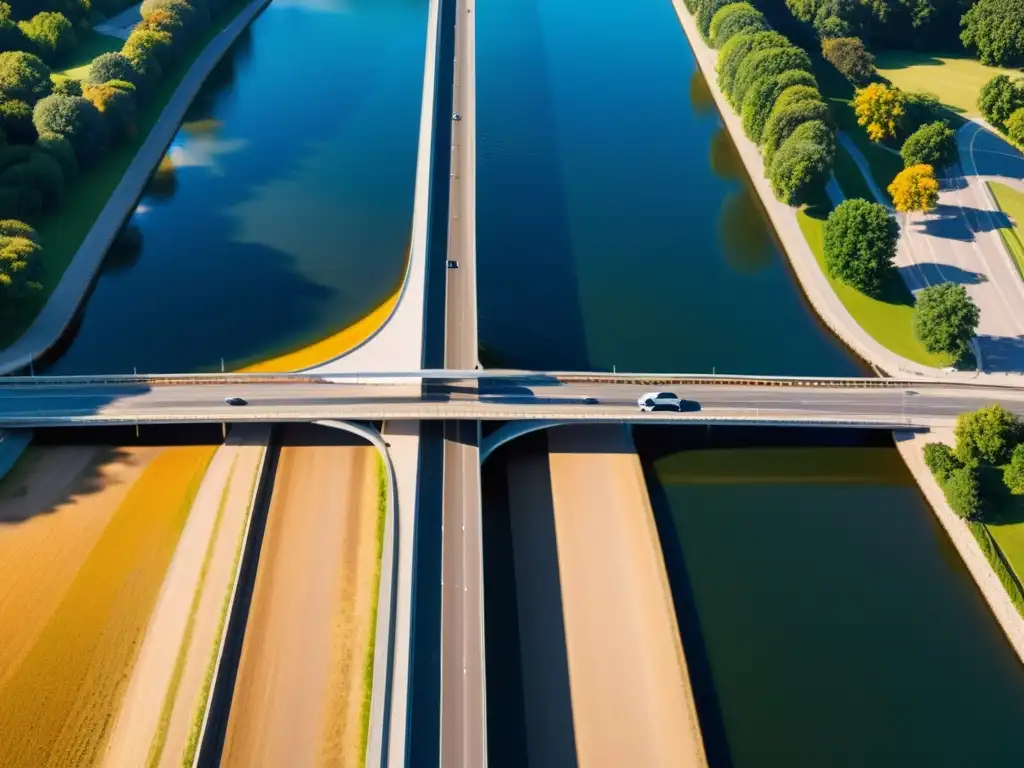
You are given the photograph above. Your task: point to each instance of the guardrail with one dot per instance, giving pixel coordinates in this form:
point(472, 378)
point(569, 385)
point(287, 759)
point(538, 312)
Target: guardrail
point(554, 377)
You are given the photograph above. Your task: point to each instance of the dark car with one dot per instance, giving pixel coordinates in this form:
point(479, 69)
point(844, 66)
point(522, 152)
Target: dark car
point(235, 401)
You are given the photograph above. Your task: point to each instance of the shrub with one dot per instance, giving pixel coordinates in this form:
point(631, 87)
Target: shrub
point(734, 19)
point(146, 67)
point(860, 244)
point(761, 98)
point(963, 493)
point(77, 120)
point(933, 144)
point(848, 55)
point(795, 94)
point(14, 154)
point(945, 318)
point(1013, 475)
point(1015, 127)
point(705, 13)
point(148, 43)
point(59, 148)
point(19, 262)
point(11, 38)
point(986, 435)
point(800, 167)
point(919, 108)
point(18, 200)
point(23, 77)
point(68, 87)
point(115, 100)
point(733, 53)
point(15, 228)
point(941, 461)
point(40, 174)
point(765, 64)
point(110, 66)
point(166, 14)
point(1000, 97)
point(995, 29)
point(879, 109)
point(783, 122)
point(17, 121)
point(51, 34)
point(915, 189)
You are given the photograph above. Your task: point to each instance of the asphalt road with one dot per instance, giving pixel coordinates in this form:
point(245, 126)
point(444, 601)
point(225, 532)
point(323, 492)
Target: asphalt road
point(463, 736)
point(929, 405)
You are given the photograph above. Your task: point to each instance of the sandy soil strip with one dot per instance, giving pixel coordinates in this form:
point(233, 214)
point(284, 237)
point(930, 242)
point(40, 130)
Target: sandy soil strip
point(53, 508)
point(631, 697)
point(139, 720)
point(287, 691)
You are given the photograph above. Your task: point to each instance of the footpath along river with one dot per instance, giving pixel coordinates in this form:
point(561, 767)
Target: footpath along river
point(826, 618)
point(284, 211)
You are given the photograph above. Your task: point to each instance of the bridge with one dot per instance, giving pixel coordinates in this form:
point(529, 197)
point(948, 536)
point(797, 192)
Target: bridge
point(491, 396)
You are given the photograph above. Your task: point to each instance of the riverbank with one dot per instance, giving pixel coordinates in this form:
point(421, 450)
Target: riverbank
point(911, 448)
point(77, 276)
point(786, 225)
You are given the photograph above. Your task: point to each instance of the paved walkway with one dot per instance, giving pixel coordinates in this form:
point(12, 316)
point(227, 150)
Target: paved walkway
point(74, 285)
point(122, 24)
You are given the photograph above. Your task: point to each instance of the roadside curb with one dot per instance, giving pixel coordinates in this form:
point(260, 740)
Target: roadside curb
point(64, 303)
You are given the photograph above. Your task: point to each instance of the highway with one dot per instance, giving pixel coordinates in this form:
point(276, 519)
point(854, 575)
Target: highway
point(463, 734)
point(923, 405)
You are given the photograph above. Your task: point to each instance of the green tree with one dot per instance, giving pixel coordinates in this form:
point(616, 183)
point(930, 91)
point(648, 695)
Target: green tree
point(860, 244)
point(963, 493)
point(995, 29)
point(933, 144)
point(51, 34)
point(783, 122)
point(986, 435)
point(706, 11)
point(110, 66)
point(16, 117)
point(945, 319)
point(919, 108)
point(1013, 475)
point(115, 100)
point(850, 57)
point(39, 181)
point(941, 461)
point(915, 189)
point(146, 43)
point(1015, 127)
point(761, 98)
point(23, 77)
point(1000, 97)
point(734, 19)
point(800, 167)
point(11, 38)
point(77, 120)
point(764, 64)
point(68, 87)
point(60, 149)
point(738, 47)
point(19, 260)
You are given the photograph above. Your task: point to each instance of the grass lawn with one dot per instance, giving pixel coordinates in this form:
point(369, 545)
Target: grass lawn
point(889, 319)
point(848, 174)
point(1011, 202)
point(956, 80)
point(58, 704)
point(90, 45)
point(1004, 521)
point(61, 233)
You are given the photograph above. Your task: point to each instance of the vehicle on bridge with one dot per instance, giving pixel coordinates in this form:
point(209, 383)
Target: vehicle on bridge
point(661, 401)
point(235, 401)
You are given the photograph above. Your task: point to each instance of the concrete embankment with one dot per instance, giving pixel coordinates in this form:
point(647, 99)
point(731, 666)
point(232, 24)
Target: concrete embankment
point(783, 219)
point(605, 680)
point(911, 448)
point(73, 288)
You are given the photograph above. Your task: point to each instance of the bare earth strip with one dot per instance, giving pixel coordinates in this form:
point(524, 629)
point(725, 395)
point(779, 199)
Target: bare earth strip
point(58, 703)
point(631, 697)
point(138, 722)
point(298, 656)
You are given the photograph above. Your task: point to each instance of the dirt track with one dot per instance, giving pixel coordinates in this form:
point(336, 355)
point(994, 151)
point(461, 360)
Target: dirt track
point(298, 695)
point(596, 615)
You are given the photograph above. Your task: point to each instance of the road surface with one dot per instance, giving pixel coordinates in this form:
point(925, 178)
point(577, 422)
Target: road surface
point(463, 704)
point(924, 405)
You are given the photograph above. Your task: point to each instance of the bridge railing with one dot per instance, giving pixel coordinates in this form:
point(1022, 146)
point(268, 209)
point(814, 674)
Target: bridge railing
point(535, 377)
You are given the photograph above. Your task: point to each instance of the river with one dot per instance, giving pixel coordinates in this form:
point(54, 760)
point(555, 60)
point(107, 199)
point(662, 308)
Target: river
point(826, 618)
point(288, 212)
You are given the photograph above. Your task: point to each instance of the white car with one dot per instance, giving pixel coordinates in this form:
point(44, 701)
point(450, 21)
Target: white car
point(659, 401)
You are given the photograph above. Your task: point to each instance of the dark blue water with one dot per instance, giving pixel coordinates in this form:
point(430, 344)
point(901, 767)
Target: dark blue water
point(288, 213)
point(615, 225)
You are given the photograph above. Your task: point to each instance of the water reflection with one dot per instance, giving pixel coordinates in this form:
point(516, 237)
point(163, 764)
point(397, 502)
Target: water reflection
point(124, 252)
point(701, 100)
point(723, 157)
point(746, 244)
point(161, 185)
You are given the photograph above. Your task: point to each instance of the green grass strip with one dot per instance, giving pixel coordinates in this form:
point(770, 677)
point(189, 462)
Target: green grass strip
point(188, 756)
point(156, 748)
point(1011, 202)
point(994, 555)
point(382, 510)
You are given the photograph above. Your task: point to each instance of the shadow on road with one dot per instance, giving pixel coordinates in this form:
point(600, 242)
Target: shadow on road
point(951, 222)
point(933, 273)
point(1004, 354)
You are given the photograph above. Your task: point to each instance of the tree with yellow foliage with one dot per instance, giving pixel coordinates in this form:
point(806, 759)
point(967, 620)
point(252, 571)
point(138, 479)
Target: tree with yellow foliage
point(879, 109)
point(915, 189)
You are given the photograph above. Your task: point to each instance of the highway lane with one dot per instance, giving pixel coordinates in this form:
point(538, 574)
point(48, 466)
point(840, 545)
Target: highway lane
point(463, 726)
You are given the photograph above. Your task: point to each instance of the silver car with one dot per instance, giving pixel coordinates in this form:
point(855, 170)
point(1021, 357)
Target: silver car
point(659, 401)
